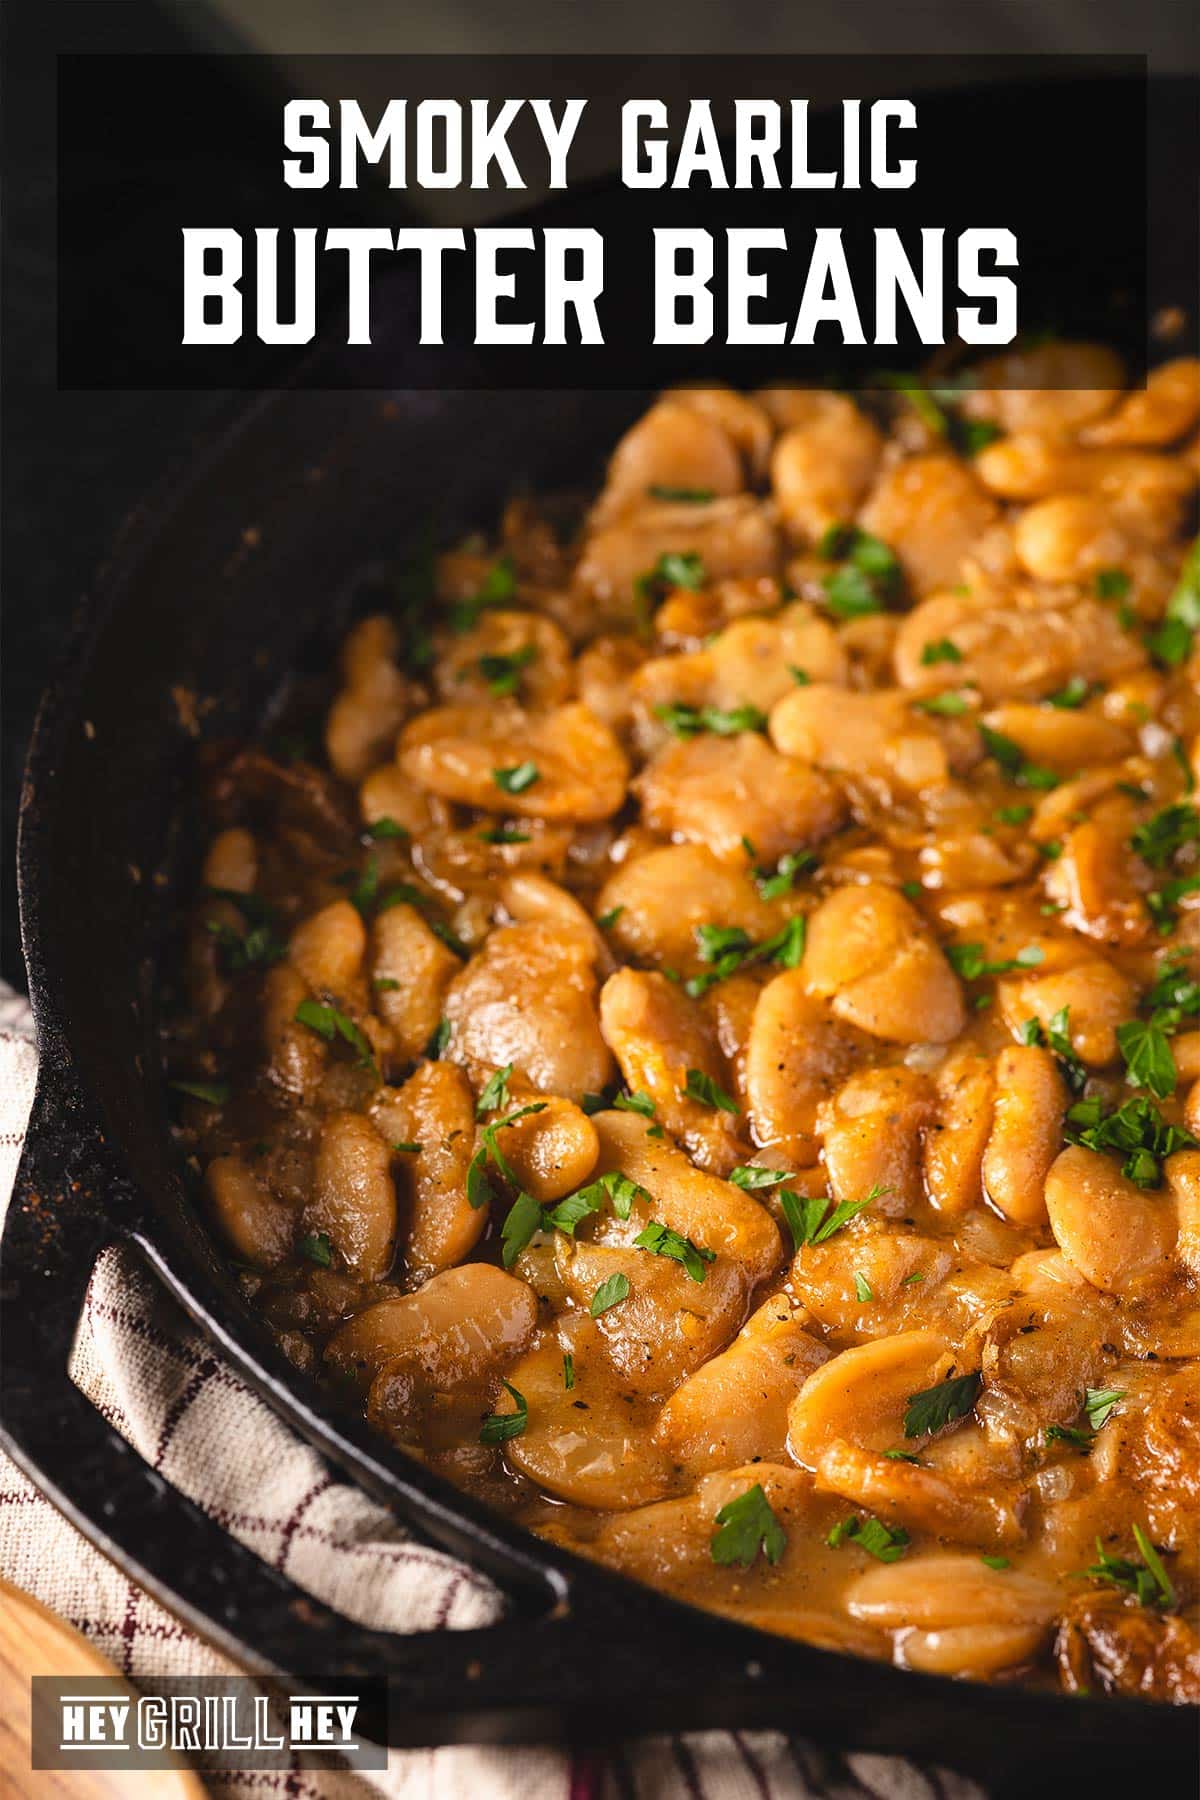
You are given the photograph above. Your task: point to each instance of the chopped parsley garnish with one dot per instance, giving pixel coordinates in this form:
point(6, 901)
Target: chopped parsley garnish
point(1174, 996)
point(1100, 1403)
point(1158, 840)
point(257, 947)
point(863, 1290)
point(660, 1240)
point(674, 569)
point(383, 828)
point(937, 408)
point(1013, 815)
point(610, 1293)
point(1147, 1581)
point(495, 1092)
point(685, 495)
point(1072, 696)
point(1137, 1129)
point(995, 1562)
point(1010, 758)
point(317, 1248)
point(607, 920)
point(499, 1427)
point(887, 1543)
point(970, 961)
point(568, 1371)
point(772, 884)
point(1112, 584)
point(329, 1022)
point(498, 585)
point(1069, 1434)
point(801, 677)
point(686, 721)
point(936, 1407)
point(940, 650)
point(1055, 1035)
point(944, 706)
point(1149, 1061)
point(517, 779)
point(746, 1526)
point(903, 1456)
point(752, 1176)
point(635, 1102)
point(524, 1219)
point(1171, 643)
point(728, 948)
point(385, 984)
point(213, 1093)
point(436, 1047)
point(703, 1088)
point(504, 834)
point(807, 1219)
point(1164, 901)
point(912, 890)
point(869, 575)
point(503, 673)
point(407, 1147)
point(480, 1191)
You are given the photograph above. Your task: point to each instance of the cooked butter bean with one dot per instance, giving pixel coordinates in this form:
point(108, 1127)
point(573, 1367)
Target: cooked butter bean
point(871, 956)
point(457, 752)
point(796, 1056)
point(411, 969)
point(460, 1327)
point(354, 1197)
point(721, 791)
point(1026, 1132)
point(823, 465)
point(657, 1034)
point(258, 1227)
point(529, 998)
point(328, 949)
point(1119, 1237)
point(435, 1109)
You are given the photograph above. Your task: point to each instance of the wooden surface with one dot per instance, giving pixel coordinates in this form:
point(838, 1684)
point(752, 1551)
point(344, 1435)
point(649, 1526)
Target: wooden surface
point(34, 1642)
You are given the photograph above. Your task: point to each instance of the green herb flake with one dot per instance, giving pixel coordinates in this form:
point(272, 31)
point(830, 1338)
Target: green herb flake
point(504, 834)
point(752, 1176)
point(607, 920)
point(495, 1092)
point(811, 1222)
point(703, 1089)
point(1147, 1581)
point(610, 1293)
point(524, 1219)
point(1072, 696)
point(503, 673)
point(1111, 584)
point(499, 1427)
point(995, 1562)
point(1069, 1434)
point(1149, 1061)
point(1136, 1129)
point(436, 1047)
point(329, 1022)
point(384, 828)
point(944, 706)
point(936, 1407)
point(1100, 1403)
point(213, 1093)
point(747, 1525)
point(517, 779)
point(685, 721)
point(684, 496)
point(568, 1371)
point(887, 1543)
point(970, 961)
point(1010, 759)
point(940, 650)
point(497, 586)
point(635, 1102)
point(660, 1240)
point(317, 1248)
point(863, 1291)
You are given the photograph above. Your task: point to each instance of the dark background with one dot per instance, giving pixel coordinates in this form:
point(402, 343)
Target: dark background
point(74, 465)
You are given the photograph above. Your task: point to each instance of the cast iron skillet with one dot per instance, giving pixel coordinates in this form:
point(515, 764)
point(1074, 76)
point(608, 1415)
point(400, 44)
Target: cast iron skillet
point(223, 582)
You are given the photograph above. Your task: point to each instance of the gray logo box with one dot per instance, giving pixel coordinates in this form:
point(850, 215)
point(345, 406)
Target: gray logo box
point(207, 1723)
